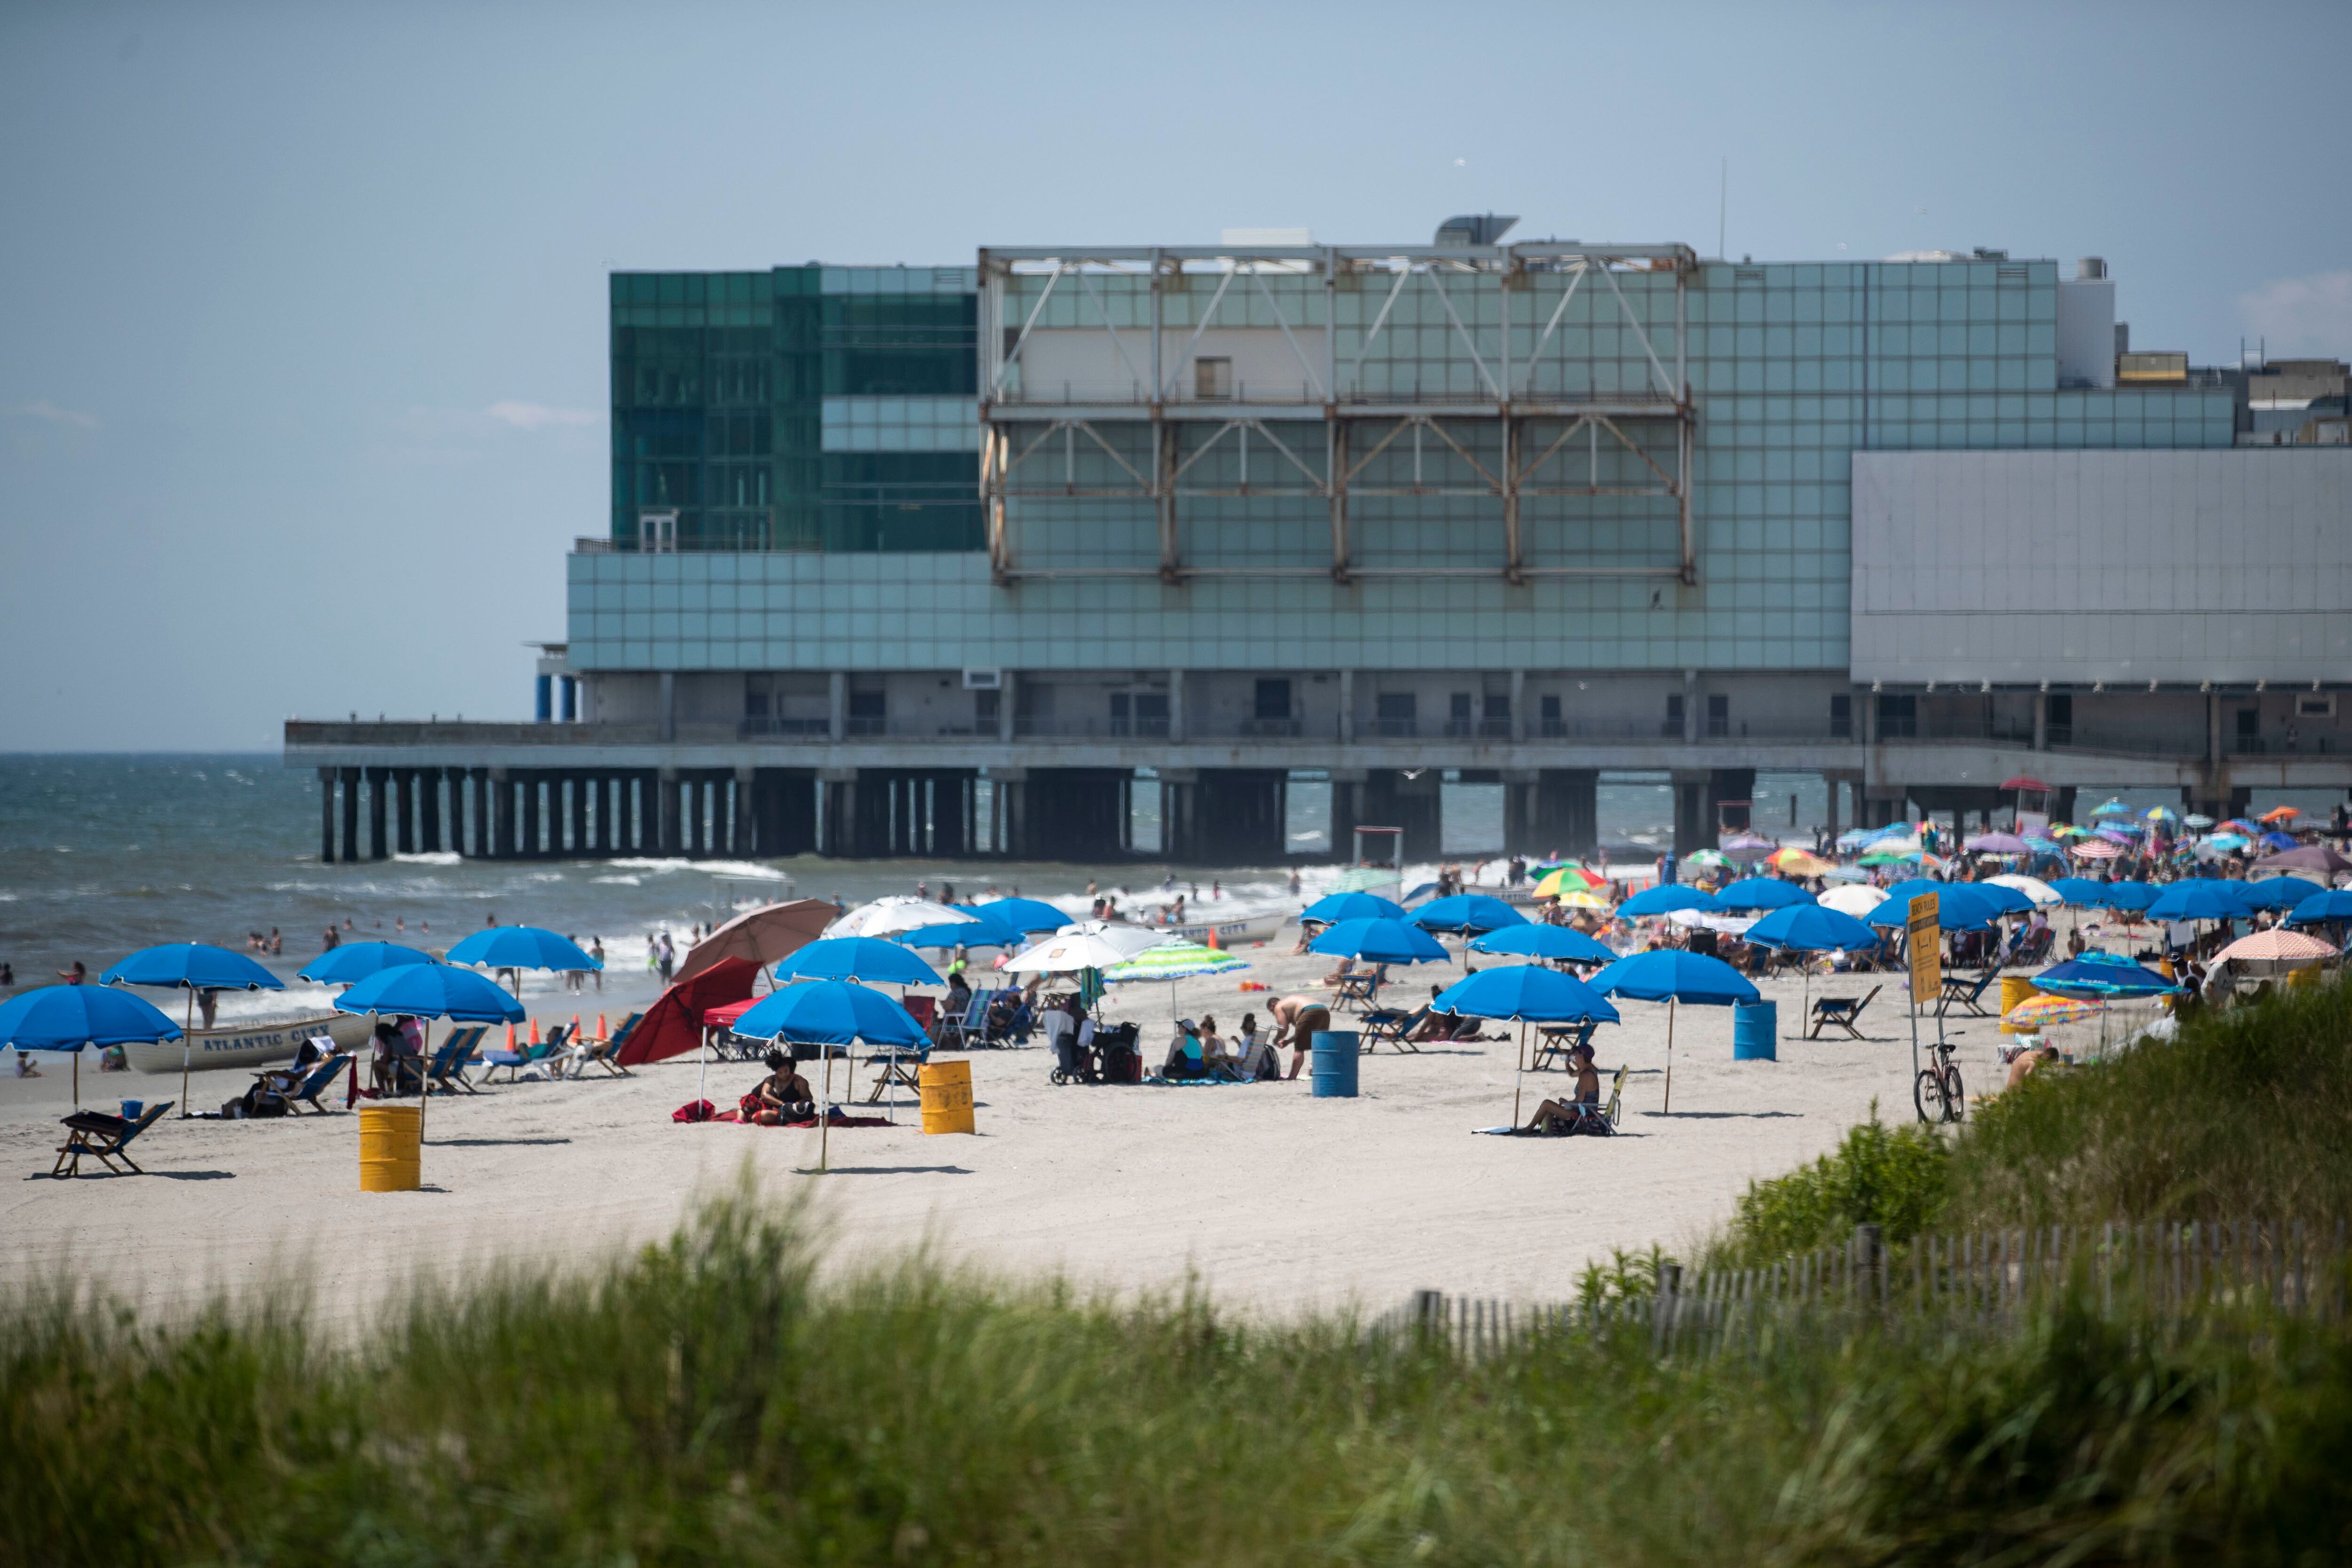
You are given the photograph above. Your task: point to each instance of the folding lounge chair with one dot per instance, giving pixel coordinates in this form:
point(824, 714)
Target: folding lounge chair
point(602, 1052)
point(104, 1139)
point(1555, 1040)
point(1388, 1025)
point(973, 1024)
point(1839, 1012)
point(1963, 992)
point(530, 1056)
point(1359, 990)
point(315, 1082)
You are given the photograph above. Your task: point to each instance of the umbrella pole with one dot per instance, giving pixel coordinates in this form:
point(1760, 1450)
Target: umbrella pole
point(824, 1120)
point(77, 1085)
point(187, 1048)
point(702, 1065)
point(1518, 1072)
point(1669, 1056)
point(423, 1084)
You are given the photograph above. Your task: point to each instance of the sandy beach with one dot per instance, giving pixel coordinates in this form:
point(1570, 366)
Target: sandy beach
point(1271, 1200)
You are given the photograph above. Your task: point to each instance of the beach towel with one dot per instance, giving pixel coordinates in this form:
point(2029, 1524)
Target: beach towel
point(1590, 1130)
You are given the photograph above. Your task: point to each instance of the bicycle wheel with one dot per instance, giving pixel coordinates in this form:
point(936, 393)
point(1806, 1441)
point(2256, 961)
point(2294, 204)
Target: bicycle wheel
point(1956, 1100)
point(1927, 1094)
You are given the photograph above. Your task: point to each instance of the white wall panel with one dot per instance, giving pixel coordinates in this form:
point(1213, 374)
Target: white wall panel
point(2079, 566)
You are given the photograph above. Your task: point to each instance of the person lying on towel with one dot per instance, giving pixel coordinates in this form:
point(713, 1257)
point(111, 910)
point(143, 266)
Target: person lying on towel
point(783, 1096)
point(1582, 1111)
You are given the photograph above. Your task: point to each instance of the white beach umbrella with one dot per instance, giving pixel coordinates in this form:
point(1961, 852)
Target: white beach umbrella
point(1060, 954)
point(1129, 939)
point(1853, 898)
point(2043, 895)
point(900, 911)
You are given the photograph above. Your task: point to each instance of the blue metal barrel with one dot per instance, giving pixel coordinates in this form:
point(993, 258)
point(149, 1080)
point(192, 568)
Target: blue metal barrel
point(1331, 1065)
point(1755, 1028)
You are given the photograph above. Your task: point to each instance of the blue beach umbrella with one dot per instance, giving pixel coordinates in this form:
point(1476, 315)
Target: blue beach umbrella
point(1380, 942)
point(2133, 897)
point(829, 1013)
point(355, 961)
point(67, 1018)
point(2335, 904)
point(2081, 892)
point(978, 932)
point(866, 958)
point(432, 991)
point(1533, 940)
point(1333, 908)
point(2202, 898)
point(1524, 994)
point(1664, 899)
point(2007, 900)
point(2105, 976)
point(1022, 915)
point(1470, 913)
point(1809, 928)
point(1750, 894)
point(521, 947)
point(191, 967)
point(1959, 906)
point(1671, 975)
point(2281, 892)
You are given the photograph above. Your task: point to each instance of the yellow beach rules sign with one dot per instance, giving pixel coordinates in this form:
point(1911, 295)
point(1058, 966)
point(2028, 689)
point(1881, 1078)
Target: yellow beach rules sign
point(1927, 946)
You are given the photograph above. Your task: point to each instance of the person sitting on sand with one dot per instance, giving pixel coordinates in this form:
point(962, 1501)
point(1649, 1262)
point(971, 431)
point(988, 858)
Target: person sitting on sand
point(25, 1068)
point(1581, 1111)
point(783, 1096)
point(1217, 1053)
point(1186, 1057)
point(1295, 1020)
point(2026, 1062)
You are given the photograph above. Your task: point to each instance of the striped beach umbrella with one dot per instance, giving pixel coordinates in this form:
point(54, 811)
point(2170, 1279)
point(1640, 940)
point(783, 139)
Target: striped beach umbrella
point(1175, 961)
point(2038, 1013)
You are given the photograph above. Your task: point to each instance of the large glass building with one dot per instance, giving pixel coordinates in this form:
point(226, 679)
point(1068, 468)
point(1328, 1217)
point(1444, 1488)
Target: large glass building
point(909, 559)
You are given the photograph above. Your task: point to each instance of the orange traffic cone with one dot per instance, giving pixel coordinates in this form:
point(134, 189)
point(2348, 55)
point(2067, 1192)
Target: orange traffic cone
point(509, 1037)
point(603, 1032)
point(576, 1027)
point(534, 1031)
point(1212, 939)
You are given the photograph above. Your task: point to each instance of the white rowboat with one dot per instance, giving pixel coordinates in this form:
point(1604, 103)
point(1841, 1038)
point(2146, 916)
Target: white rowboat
point(249, 1045)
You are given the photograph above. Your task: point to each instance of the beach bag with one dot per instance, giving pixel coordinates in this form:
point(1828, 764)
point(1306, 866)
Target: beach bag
point(695, 1110)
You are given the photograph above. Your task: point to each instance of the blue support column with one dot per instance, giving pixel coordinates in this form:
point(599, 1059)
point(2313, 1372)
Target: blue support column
point(546, 698)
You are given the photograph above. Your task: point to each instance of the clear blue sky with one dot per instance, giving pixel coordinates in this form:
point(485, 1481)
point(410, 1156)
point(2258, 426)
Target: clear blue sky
point(303, 375)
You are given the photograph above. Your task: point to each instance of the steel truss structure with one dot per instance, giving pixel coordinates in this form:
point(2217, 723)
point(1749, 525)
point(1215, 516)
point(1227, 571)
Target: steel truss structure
point(1031, 445)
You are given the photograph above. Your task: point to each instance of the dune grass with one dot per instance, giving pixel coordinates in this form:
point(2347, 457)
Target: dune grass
point(2244, 1115)
point(708, 1400)
point(711, 1400)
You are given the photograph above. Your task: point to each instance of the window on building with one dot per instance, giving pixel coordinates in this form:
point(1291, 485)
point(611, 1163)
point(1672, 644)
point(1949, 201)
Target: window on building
point(1842, 716)
point(1547, 709)
point(985, 708)
point(1213, 378)
point(1719, 715)
point(1151, 712)
point(2060, 720)
point(868, 712)
point(758, 689)
point(1674, 719)
point(1272, 700)
point(1392, 713)
point(1898, 717)
point(1457, 713)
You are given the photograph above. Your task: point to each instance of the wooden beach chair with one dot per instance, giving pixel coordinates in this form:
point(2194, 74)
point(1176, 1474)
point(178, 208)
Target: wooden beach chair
point(1839, 1012)
point(103, 1138)
point(1554, 1041)
point(902, 1065)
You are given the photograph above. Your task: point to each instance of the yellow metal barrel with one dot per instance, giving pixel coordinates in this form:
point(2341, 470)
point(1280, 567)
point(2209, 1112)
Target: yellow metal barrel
point(2014, 989)
point(392, 1145)
point(946, 1096)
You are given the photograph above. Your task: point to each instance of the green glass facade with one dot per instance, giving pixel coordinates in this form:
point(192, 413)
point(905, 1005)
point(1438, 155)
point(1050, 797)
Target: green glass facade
point(720, 387)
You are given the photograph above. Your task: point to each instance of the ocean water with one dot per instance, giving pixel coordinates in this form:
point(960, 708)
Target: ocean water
point(102, 855)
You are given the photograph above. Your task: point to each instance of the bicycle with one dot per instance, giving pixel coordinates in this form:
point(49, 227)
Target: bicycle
point(1937, 1091)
